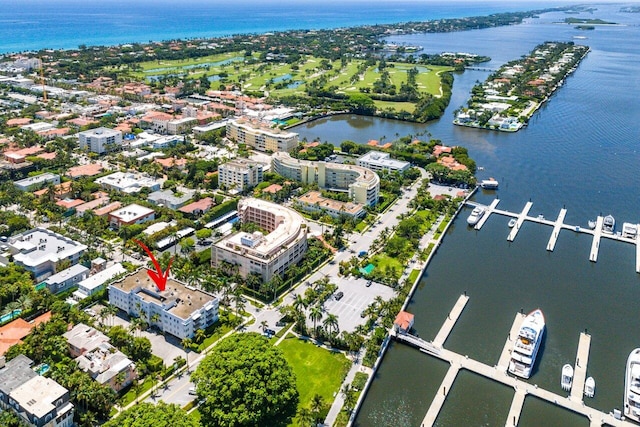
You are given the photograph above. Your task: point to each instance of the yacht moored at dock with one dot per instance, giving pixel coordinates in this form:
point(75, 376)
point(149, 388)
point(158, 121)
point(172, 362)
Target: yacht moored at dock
point(609, 224)
point(629, 230)
point(527, 344)
point(567, 377)
point(632, 387)
point(489, 184)
point(590, 387)
point(476, 214)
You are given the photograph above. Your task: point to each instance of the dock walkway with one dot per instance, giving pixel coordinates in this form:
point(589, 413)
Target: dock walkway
point(499, 374)
point(558, 225)
point(451, 320)
point(503, 362)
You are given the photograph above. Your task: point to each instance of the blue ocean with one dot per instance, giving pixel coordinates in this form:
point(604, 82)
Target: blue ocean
point(64, 24)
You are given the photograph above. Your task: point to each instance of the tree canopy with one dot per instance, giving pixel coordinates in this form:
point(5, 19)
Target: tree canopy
point(148, 415)
point(245, 381)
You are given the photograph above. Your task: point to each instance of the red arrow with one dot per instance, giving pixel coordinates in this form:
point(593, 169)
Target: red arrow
point(158, 277)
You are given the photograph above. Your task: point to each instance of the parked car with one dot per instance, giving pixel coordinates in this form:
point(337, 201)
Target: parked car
point(192, 391)
point(339, 296)
point(368, 283)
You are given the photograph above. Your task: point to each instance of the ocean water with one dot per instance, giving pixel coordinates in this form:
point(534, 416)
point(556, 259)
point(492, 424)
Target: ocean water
point(55, 24)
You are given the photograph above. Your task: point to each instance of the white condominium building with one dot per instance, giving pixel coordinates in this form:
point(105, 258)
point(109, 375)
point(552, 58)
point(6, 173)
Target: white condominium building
point(266, 255)
point(179, 310)
point(362, 184)
point(261, 138)
point(100, 140)
point(378, 161)
point(239, 174)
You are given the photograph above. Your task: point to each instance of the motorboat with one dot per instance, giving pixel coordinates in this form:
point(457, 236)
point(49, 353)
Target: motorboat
point(567, 377)
point(632, 386)
point(476, 214)
point(512, 222)
point(489, 184)
point(527, 344)
point(590, 387)
point(591, 224)
point(608, 224)
point(629, 230)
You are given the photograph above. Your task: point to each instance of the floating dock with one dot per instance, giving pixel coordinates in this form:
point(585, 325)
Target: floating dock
point(558, 225)
point(498, 373)
point(503, 362)
point(451, 320)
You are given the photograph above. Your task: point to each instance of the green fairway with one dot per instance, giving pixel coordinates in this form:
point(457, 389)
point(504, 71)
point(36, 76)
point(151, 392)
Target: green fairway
point(318, 371)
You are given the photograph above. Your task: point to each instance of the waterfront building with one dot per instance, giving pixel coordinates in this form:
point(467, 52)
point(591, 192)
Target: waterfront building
point(240, 174)
point(35, 182)
point(266, 255)
point(259, 137)
point(179, 126)
point(40, 251)
point(132, 214)
point(38, 401)
point(179, 310)
point(127, 182)
point(362, 184)
point(96, 356)
point(314, 202)
point(378, 161)
point(100, 140)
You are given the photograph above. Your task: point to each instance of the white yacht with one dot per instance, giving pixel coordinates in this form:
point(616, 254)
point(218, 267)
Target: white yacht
point(632, 386)
point(489, 184)
point(590, 387)
point(527, 344)
point(567, 377)
point(608, 224)
point(629, 230)
point(476, 214)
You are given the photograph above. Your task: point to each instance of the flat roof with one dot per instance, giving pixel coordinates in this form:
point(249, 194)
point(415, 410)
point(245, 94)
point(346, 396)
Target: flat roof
point(100, 132)
point(16, 372)
point(74, 270)
point(187, 299)
point(43, 177)
point(131, 212)
point(38, 395)
point(41, 245)
point(315, 198)
point(382, 159)
point(101, 277)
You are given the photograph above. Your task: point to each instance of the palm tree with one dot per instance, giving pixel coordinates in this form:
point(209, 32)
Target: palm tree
point(315, 314)
point(349, 395)
point(331, 325)
point(200, 335)
point(317, 404)
point(186, 345)
point(304, 417)
point(238, 300)
point(264, 325)
point(155, 318)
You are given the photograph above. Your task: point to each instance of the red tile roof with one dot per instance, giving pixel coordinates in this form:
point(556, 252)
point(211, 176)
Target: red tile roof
point(13, 332)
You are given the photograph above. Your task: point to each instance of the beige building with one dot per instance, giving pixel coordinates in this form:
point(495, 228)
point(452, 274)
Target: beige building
point(266, 255)
point(239, 174)
point(314, 202)
point(362, 184)
point(260, 137)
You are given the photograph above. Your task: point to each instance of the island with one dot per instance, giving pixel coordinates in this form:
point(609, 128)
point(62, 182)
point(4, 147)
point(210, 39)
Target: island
point(511, 95)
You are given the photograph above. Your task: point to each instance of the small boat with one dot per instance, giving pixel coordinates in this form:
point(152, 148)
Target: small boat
point(629, 230)
point(591, 224)
point(476, 214)
point(512, 222)
point(590, 387)
point(489, 184)
point(567, 377)
point(608, 224)
point(527, 344)
point(632, 387)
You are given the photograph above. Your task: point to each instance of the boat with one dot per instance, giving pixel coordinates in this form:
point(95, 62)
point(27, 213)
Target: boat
point(590, 387)
point(629, 230)
point(527, 344)
point(476, 214)
point(591, 224)
point(608, 224)
point(567, 377)
point(632, 386)
point(489, 184)
point(512, 222)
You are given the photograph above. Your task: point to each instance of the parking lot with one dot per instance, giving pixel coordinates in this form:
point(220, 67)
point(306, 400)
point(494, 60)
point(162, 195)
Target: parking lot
point(357, 297)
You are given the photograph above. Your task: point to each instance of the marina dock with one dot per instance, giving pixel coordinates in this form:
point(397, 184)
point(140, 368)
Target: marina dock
point(558, 225)
point(498, 373)
point(452, 318)
point(580, 368)
point(503, 362)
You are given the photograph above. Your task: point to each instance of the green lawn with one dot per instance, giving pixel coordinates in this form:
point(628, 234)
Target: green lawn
point(409, 107)
point(382, 261)
point(317, 370)
point(131, 394)
point(413, 276)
